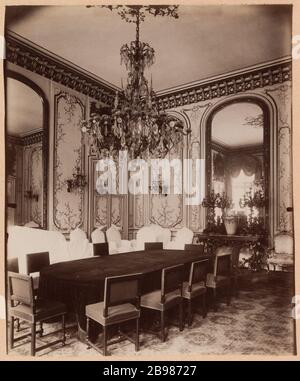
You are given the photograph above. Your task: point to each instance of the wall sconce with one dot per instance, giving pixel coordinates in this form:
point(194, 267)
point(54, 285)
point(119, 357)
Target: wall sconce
point(78, 181)
point(162, 191)
point(31, 196)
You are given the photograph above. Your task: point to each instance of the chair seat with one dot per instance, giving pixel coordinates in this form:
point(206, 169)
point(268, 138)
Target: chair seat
point(45, 309)
point(152, 300)
point(197, 289)
point(282, 259)
point(216, 281)
point(116, 314)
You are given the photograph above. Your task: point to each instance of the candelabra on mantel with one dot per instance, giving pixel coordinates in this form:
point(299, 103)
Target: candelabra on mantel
point(254, 198)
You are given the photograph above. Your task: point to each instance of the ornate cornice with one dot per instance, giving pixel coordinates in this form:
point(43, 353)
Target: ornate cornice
point(34, 138)
point(238, 82)
point(27, 55)
point(27, 140)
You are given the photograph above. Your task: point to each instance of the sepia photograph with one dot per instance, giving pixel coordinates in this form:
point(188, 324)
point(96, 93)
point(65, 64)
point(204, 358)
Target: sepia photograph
point(149, 205)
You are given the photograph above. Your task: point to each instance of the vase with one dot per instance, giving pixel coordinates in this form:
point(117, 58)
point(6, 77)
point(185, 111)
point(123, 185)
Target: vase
point(231, 224)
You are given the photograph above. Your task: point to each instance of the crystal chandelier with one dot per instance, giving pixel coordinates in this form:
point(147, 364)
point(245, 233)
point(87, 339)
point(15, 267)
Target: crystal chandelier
point(134, 123)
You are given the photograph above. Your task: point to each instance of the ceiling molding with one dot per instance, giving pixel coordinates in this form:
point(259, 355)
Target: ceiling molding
point(33, 138)
point(249, 148)
point(30, 56)
point(250, 78)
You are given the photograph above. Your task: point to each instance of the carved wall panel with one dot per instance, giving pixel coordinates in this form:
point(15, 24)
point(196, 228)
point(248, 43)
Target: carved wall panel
point(104, 209)
point(33, 181)
point(282, 96)
point(68, 154)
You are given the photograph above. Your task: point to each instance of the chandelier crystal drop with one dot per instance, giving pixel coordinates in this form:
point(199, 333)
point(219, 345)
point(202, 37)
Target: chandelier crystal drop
point(134, 123)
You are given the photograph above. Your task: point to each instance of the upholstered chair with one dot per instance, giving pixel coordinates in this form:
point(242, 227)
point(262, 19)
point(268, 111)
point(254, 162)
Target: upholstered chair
point(194, 247)
point(282, 256)
point(121, 304)
point(12, 265)
point(100, 249)
point(24, 306)
point(79, 246)
point(221, 276)
point(115, 241)
point(169, 296)
point(98, 235)
point(195, 286)
point(144, 234)
point(35, 263)
point(183, 237)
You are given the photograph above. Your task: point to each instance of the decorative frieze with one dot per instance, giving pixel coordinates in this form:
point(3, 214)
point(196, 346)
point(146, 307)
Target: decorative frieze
point(230, 85)
point(38, 61)
point(27, 140)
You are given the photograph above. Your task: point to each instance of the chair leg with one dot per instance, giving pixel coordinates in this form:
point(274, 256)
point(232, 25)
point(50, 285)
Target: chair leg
point(228, 299)
point(104, 341)
point(18, 324)
point(189, 312)
point(11, 332)
point(137, 334)
point(41, 329)
point(214, 299)
point(63, 323)
point(33, 334)
point(181, 315)
point(204, 308)
point(87, 332)
point(162, 325)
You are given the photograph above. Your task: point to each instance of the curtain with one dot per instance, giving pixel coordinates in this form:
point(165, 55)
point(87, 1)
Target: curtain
point(248, 163)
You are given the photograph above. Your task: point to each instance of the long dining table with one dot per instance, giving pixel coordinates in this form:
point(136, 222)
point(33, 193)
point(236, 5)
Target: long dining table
point(80, 282)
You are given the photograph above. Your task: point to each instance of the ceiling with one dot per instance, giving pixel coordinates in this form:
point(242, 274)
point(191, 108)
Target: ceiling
point(24, 109)
point(229, 128)
point(204, 41)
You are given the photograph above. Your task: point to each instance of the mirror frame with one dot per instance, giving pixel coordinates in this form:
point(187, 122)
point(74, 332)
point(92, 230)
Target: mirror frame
point(266, 145)
point(45, 143)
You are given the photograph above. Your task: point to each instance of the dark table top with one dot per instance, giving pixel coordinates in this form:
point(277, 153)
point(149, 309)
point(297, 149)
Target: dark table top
point(96, 269)
point(81, 282)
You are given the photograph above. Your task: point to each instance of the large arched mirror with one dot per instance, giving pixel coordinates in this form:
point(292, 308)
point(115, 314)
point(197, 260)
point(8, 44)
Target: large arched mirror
point(238, 169)
point(26, 152)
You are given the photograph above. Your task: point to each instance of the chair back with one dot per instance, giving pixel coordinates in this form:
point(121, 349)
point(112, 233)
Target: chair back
point(171, 280)
point(149, 246)
point(223, 265)
point(37, 261)
point(194, 247)
point(121, 289)
point(13, 265)
point(20, 289)
point(100, 249)
point(198, 272)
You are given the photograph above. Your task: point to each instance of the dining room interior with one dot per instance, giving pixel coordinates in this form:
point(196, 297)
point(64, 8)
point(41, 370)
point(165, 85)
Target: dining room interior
point(149, 201)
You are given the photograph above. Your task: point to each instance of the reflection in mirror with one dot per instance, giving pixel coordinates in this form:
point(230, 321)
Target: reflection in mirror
point(24, 155)
point(237, 191)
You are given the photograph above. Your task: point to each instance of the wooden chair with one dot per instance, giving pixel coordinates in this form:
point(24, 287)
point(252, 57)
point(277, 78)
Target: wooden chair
point(100, 249)
point(221, 276)
point(168, 297)
point(195, 286)
point(121, 304)
point(149, 246)
point(194, 247)
point(24, 306)
point(35, 263)
point(13, 266)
